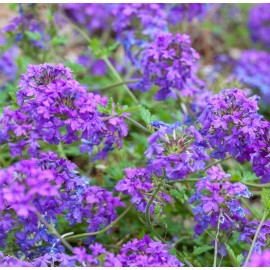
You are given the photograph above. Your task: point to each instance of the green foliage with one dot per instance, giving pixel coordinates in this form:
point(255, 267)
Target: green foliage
point(266, 199)
point(99, 50)
point(102, 258)
point(235, 260)
point(33, 35)
point(146, 115)
point(200, 250)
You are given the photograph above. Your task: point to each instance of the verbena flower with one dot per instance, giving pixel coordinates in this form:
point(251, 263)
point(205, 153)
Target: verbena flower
point(50, 186)
point(93, 17)
point(135, 253)
point(139, 184)
point(262, 260)
point(259, 24)
point(170, 63)
point(135, 24)
point(216, 200)
point(231, 124)
point(146, 252)
point(174, 151)
point(252, 69)
point(26, 26)
point(8, 67)
point(186, 12)
point(248, 232)
point(54, 108)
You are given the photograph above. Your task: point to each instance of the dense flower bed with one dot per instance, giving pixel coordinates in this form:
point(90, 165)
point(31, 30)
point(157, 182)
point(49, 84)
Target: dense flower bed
point(135, 135)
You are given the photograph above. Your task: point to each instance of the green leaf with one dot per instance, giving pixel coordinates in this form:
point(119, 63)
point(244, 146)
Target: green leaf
point(97, 49)
point(102, 259)
point(12, 95)
point(76, 68)
point(49, 14)
point(145, 115)
point(102, 109)
point(266, 199)
point(158, 210)
point(13, 6)
point(173, 251)
point(201, 250)
point(235, 260)
point(59, 40)
point(110, 105)
point(33, 35)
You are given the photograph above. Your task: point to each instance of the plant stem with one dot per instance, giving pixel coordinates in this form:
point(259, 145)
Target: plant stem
point(117, 76)
point(217, 162)
point(104, 58)
point(113, 85)
point(216, 246)
point(256, 236)
point(61, 151)
point(137, 124)
point(148, 215)
point(256, 185)
point(103, 230)
point(54, 231)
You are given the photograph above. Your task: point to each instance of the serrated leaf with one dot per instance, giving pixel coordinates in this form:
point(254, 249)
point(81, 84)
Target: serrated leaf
point(102, 109)
point(76, 68)
point(266, 199)
point(145, 115)
point(58, 40)
point(33, 35)
point(102, 259)
point(234, 259)
point(12, 95)
point(158, 209)
point(109, 105)
point(202, 249)
point(173, 251)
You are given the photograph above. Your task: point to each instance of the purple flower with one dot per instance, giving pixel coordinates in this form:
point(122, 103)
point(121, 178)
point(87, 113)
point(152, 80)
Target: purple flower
point(252, 69)
point(216, 201)
point(170, 63)
point(186, 12)
point(259, 18)
point(8, 67)
point(262, 260)
point(54, 108)
point(231, 124)
point(138, 184)
point(146, 252)
point(174, 151)
point(93, 17)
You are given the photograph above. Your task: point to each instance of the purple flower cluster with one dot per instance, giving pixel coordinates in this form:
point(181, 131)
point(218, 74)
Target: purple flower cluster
point(25, 23)
point(186, 12)
point(21, 183)
point(146, 253)
point(93, 17)
point(54, 108)
point(259, 24)
point(170, 63)
point(262, 260)
point(8, 67)
point(136, 253)
point(50, 186)
point(216, 201)
point(248, 233)
point(135, 24)
point(231, 124)
point(252, 69)
point(139, 185)
point(48, 260)
point(174, 152)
